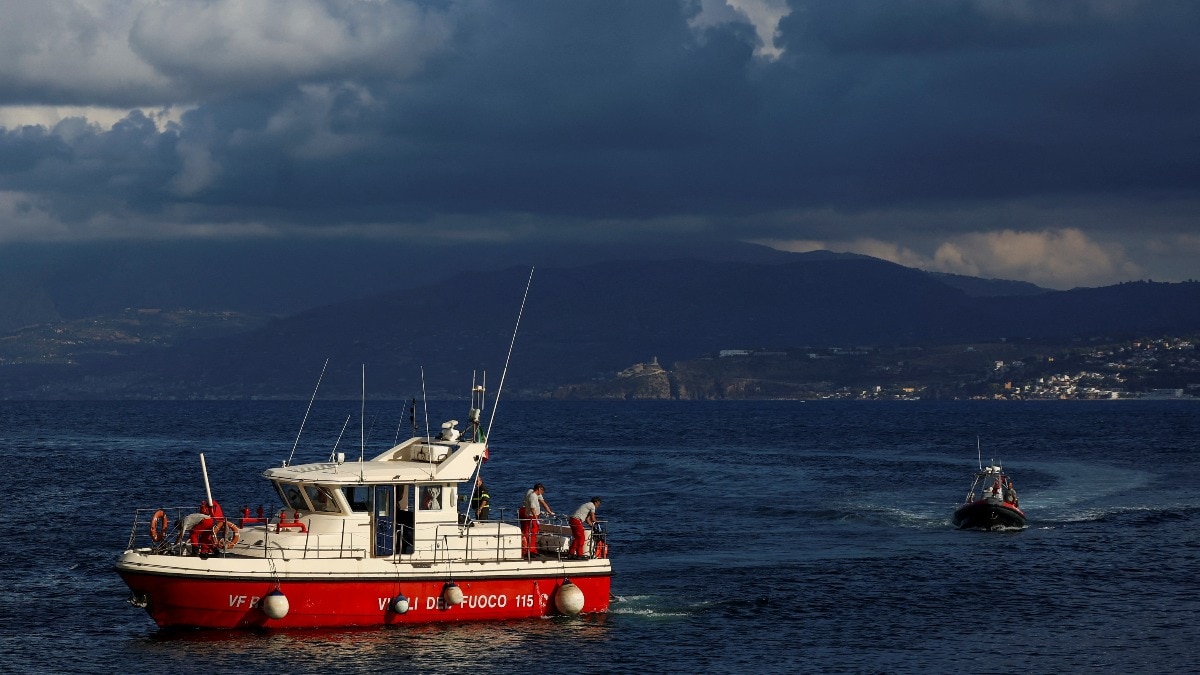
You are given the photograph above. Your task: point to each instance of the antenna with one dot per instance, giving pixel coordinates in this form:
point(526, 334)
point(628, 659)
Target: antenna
point(979, 451)
point(362, 417)
point(305, 420)
point(504, 373)
point(333, 453)
point(425, 404)
point(400, 423)
point(478, 402)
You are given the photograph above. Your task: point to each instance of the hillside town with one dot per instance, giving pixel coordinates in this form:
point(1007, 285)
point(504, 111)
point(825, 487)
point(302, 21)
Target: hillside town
point(1125, 371)
point(1096, 369)
point(1160, 368)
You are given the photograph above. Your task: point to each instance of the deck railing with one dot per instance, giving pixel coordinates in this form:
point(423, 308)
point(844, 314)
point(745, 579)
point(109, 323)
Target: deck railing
point(475, 540)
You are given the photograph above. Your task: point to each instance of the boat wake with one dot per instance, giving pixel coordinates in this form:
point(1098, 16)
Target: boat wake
point(645, 606)
point(1135, 516)
point(886, 516)
point(1080, 492)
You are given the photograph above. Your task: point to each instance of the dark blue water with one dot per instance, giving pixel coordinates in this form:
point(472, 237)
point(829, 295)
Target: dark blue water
point(747, 537)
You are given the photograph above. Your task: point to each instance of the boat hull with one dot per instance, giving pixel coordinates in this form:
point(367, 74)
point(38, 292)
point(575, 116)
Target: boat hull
point(216, 602)
point(988, 514)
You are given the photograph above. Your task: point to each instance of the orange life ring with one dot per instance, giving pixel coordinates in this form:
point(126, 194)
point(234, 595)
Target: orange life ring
point(225, 535)
point(158, 525)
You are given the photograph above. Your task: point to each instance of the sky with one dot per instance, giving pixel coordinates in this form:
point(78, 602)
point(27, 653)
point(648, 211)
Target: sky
point(1050, 141)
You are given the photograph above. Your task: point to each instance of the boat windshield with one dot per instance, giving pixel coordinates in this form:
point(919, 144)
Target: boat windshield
point(292, 496)
point(997, 485)
point(322, 499)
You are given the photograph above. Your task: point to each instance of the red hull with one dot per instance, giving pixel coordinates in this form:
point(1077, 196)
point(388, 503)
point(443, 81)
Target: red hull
point(221, 603)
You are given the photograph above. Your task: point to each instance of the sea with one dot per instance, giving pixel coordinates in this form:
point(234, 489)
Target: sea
point(746, 537)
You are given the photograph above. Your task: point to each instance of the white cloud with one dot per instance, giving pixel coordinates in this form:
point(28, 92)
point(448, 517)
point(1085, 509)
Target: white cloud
point(126, 54)
point(73, 52)
point(1055, 258)
point(764, 15)
point(49, 116)
point(271, 42)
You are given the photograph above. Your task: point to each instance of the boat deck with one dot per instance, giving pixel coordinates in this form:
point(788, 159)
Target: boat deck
point(317, 536)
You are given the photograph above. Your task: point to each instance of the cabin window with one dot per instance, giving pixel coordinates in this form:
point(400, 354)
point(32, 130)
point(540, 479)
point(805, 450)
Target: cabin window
point(431, 498)
point(292, 496)
point(322, 499)
point(358, 497)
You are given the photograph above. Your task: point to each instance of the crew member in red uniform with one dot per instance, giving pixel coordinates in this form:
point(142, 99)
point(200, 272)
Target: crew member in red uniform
point(528, 514)
point(202, 532)
point(586, 513)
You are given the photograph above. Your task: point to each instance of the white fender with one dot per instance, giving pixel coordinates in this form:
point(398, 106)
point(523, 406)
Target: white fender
point(452, 594)
point(400, 604)
point(569, 598)
point(275, 605)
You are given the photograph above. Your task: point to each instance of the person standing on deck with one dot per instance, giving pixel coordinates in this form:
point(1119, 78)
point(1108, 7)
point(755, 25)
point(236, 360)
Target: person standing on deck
point(528, 514)
point(586, 513)
point(480, 500)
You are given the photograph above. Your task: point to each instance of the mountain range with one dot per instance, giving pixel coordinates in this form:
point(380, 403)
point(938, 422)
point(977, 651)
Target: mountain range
point(436, 326)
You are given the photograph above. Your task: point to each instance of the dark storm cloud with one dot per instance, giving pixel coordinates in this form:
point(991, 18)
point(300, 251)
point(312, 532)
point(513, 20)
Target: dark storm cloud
point(553, 118)
point(576, 109)
point(952, 100)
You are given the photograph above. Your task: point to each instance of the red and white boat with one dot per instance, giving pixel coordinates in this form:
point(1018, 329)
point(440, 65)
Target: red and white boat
point(371, 542)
